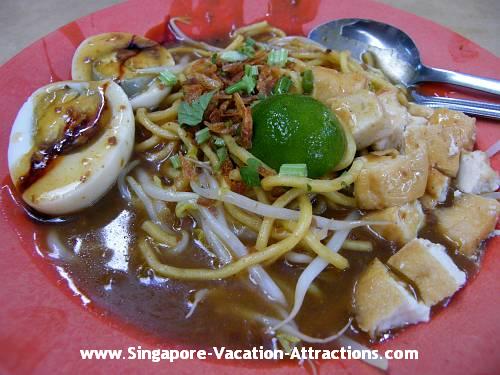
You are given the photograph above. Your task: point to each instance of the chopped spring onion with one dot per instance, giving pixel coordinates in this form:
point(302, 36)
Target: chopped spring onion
point(282, 86)
point(307, 81)
point(176, 161)
point(294, 170)
point(202, 136)
point(251, 70)
point(219, 142)
point(233, 56)
point(214, 58)
point(168, 78)
point(221, 154)
point(248, 47)
point(277, 57)
point(250, 173)
point(247, 83)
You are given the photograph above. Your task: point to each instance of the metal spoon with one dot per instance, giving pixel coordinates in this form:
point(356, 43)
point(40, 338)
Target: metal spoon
point(395, 52)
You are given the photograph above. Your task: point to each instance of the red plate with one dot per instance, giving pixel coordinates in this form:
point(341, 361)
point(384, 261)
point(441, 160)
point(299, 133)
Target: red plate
point(43, 325)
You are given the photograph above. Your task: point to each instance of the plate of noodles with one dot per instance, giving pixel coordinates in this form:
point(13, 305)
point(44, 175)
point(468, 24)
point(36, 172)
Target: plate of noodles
point(179, 176)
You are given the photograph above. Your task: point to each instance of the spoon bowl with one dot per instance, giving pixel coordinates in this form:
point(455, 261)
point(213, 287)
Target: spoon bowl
point(395, 53)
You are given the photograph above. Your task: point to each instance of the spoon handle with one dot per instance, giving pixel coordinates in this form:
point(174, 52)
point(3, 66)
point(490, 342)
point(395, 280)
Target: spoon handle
point(471, 107)
point(427, 74)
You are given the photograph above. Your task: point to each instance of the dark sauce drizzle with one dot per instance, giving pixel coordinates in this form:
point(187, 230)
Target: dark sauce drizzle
point(80, 128)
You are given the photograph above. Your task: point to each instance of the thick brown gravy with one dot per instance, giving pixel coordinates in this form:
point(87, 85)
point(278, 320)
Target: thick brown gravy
point(108, 268)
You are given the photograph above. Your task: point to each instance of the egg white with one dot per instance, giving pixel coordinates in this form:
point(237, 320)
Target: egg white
point(79, 179)
point(101, 44)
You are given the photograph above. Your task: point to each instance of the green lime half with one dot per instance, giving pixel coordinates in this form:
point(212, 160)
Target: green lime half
point(290, 129)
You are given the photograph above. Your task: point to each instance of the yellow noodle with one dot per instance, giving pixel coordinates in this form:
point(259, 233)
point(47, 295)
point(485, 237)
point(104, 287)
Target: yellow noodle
point(341, 199)
point(152, 127)
point(185, 138)
point(354, 66)
point(357, 245)
point(185, 49)
point(241, 153)
point(315, 62)
point(308, 55)
point(261, 195)
point(165, 152)
point(333, 57)
point(403, 99)
point(255, 28)
point(147, 144)
point(278, 32)
point(344, 66)
point(236, 43)
point(268, 222)
point(368, 58)
point(275, 250)
point(211, 156)
point(169, 114)
point(321, 250)
point(235, 175)
point(159, 234)
point(315, 186)
point(251, 221)
point(172, 98)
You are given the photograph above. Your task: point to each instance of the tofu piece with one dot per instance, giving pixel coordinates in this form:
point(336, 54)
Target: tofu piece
point(443, 147)
point(362, 113)
point(405, 222)
point(420, 110)
point(436, 190)
point(461, 126)
point(381, 302)
point(396, 117)
point(329, 83)
point(429, 268)
point(468, 221)
point(392, 180)
point(475, 174)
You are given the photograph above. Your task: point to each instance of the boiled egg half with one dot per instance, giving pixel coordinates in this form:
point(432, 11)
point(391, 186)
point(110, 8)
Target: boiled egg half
point(68, 144)
point(132, 61)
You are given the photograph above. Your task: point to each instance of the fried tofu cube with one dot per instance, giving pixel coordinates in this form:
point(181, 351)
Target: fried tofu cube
point(443, 147)
point(362, 113)
point(381, 302)
point(329, 83)
point(429, 268)
point(468, 221)
point(396, 117)
point(404, 222)
point(436, 190)
point(391, 180)
point(475, 174)
point(461, 126)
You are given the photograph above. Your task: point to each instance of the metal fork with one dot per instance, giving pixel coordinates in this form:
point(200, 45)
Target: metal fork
point(472, 107)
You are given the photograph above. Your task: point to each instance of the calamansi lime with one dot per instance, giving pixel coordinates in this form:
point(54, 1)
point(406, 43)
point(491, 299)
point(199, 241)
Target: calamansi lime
point(289, 129)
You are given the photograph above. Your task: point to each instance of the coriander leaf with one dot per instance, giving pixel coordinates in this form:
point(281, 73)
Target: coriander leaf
point(192, 114)
point(250, 173)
